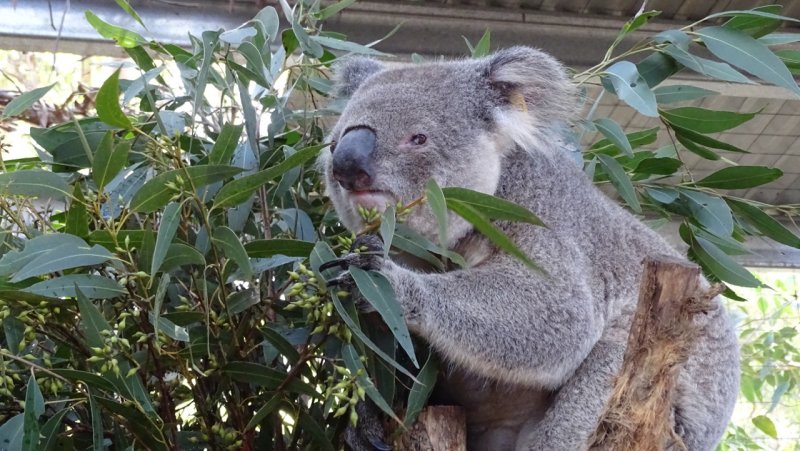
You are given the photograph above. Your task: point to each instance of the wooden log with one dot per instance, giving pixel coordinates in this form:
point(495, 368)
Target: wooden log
point(638, 415)
point(438, 428)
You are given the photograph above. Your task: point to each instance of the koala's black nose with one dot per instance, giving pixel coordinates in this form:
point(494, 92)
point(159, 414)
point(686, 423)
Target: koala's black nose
point(353, 165)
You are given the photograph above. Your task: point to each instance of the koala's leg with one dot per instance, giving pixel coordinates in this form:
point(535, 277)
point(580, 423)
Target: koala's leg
point(576, 408)
point(708, 383)
point(503, 320)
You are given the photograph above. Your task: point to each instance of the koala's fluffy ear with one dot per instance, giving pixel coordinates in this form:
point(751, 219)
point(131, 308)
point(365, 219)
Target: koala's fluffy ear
point(352, 72)
point(534, 82)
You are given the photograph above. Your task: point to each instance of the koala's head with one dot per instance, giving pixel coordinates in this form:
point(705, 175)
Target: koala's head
point(450, 121)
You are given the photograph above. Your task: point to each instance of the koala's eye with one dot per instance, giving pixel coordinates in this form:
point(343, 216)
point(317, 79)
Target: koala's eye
point(333, 146)
point(418, 140)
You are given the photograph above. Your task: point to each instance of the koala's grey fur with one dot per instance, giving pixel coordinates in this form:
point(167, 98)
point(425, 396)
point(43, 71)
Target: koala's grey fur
point(532, 355)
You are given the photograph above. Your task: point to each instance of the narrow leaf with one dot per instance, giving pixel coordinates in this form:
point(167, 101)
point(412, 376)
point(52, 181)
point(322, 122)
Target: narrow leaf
point(681, 93)
point(378, 291)
point(34, 408)
point(22, 102)
point(702, 120)
point(93, 286)
point(353, 363)
point(721, 265)
point(766, 425)
point(124, 38)
point(614, 133)
point(483, 225)
point(155, 193)
point(738, 177)
point(421, 390)
point(225, 144)
point(239, 190)
point(765, 223)
point(621, 181)
point(166, 233)
point(109, 159)
point(438, 205)
point(746, 53)
point(491, 206)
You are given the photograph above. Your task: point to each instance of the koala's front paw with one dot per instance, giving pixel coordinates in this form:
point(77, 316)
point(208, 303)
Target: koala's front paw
point(365, 253)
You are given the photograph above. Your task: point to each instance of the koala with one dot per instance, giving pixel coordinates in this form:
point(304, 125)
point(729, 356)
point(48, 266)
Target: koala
point(531, 354)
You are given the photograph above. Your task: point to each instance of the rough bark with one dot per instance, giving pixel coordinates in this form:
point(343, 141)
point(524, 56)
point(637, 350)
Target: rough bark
point(438, 428)
point(638, 415)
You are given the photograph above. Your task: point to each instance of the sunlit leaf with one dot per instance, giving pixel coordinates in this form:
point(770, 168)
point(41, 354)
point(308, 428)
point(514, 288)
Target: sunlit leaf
point(124, 38)
point(107, 103)
point(765, 424)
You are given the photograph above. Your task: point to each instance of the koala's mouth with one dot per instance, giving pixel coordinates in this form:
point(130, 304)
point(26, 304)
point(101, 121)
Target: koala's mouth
point(369, 199)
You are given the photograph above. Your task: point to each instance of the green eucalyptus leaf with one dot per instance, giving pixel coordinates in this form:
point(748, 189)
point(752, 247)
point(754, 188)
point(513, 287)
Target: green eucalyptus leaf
point(709, 211)
point(421, 390)
point(701, 120)
point(107, 103)
point(109, 159)
point(388, 222)
point(658, 166)
point(237, 191)
point(720, 264)
point(377, 290)
point(491, 206)
point(93, 286)
point(765, 424)
point(481, 49)
point(614, 133)
point(705, 140)
point(438, 205)
point(77, 222)
point(764, 223)
point(225, 144)
point(34, 408)
point(621, 181)
point(713, 69)
point(156, 193)
point(22, 102)
point(124, 38)
point(11, 432)
point(180, 254)
point(334, 9)
point(268, 248)
point(267, 377)
point(485, 227)
point(51, 430)
point(680, 93)
point(63, 257)
point(33, 183)
point(226, 239)
point(746, 53)
point(170, 220)
point(631, 88)
point(346, 46)
point(353, 363)
point(738, 177)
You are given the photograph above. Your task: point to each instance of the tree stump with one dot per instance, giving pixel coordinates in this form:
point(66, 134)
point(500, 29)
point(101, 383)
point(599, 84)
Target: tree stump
point(438, 428)
point(638, 415)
